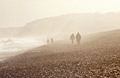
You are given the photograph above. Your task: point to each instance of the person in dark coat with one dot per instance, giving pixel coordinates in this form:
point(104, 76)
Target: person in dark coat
point(78, 38)
point(47, 41)
point(72, 38)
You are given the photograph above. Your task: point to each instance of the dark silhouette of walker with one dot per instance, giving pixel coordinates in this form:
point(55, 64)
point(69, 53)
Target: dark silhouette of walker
point(72, 38)
point(78, 38)
point(50, 41)
point(47, 41)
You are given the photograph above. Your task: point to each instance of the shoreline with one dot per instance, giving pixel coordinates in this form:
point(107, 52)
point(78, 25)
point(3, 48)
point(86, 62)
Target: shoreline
point(5, 56)
point(10, 54)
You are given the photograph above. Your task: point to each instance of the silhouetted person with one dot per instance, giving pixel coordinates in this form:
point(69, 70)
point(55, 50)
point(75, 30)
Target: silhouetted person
point(78, 38)
point(47, 41)
point(52, 40)
point(72, 38)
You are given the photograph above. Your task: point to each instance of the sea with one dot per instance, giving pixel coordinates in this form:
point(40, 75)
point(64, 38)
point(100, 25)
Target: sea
point(10, 47)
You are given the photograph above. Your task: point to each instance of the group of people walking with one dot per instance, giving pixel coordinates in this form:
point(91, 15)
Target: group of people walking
point(78, 38)
point(72, 38)
point(48, 41)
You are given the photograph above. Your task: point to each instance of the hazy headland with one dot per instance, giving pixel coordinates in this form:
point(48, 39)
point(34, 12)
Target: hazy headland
point(62, 26)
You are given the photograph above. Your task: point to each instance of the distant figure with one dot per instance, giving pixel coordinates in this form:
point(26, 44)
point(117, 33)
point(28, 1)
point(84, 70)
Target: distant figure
point(52, 40)
point(47, 41)
point(78, 38)
point(72, 38)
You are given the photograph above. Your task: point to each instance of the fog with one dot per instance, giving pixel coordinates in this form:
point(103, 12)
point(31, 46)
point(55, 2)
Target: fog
point(15, 13)
point(59, 38)
point(26, 24)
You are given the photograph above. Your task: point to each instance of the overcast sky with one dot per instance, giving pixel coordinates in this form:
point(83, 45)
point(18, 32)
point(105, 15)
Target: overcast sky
point(19, 12)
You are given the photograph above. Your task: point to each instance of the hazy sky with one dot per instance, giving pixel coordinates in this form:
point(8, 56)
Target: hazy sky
point(19, 12)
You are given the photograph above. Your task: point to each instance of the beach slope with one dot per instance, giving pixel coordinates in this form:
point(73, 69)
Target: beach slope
point(97, 57)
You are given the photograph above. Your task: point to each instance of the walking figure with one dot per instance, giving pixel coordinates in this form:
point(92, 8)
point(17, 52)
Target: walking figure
point(78, 38)
point(72, 38)
point(52, 40)
point(47, 41)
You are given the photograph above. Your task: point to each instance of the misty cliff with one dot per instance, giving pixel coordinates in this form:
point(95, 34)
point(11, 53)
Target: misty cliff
point(64, 25)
